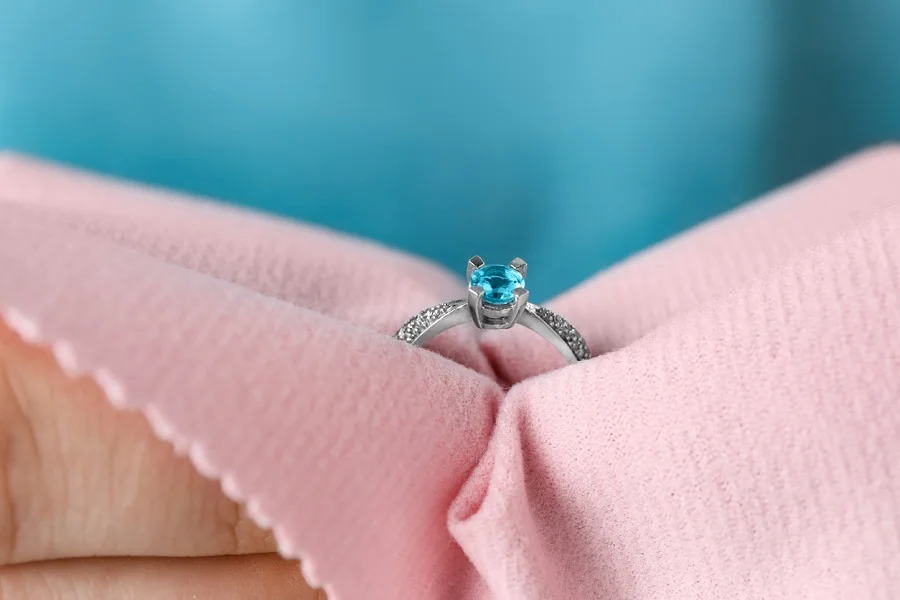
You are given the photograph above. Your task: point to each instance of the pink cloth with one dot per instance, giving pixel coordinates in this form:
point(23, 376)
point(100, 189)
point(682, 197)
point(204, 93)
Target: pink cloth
point(738, 437)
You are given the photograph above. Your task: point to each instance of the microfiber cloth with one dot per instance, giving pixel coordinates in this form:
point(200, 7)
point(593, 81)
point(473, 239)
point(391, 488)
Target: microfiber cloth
point(737, 434)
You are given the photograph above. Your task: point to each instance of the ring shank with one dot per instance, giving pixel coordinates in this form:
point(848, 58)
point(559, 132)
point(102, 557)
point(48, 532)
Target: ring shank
point(530, 320)
point(456, 316)
point(553, 328)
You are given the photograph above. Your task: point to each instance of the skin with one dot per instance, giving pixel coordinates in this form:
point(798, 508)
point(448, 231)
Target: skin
point(94, 507)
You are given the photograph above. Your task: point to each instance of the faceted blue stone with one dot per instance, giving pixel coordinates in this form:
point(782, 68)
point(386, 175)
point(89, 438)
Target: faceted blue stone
point(498, 282)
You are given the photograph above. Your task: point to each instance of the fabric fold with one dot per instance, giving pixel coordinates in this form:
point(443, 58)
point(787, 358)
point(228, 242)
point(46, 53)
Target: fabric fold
point(327, 430)
point(747, 449)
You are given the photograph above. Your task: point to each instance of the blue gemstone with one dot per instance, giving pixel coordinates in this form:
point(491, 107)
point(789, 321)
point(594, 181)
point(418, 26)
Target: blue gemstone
point(498, 282)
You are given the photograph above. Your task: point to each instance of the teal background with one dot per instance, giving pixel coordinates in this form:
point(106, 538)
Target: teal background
point(570, 132)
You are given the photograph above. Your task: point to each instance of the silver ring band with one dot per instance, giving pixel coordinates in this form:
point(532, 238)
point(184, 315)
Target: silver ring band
point(487, 314)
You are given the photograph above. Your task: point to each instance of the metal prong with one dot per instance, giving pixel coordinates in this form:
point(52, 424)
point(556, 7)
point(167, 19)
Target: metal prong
point(519, 265)
point(476, 305)
point(521, 300)
point(474, 263)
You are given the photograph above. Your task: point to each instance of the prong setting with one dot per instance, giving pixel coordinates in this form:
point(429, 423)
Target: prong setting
point(519, 265)
point(497, 296)
point(521, 300)
point(474, 263)
point(476, 305)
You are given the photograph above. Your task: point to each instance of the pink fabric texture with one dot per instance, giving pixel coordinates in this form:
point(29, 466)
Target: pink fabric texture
point(737, 436)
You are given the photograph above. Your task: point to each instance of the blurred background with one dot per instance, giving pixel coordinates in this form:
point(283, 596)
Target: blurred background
point(570, 132)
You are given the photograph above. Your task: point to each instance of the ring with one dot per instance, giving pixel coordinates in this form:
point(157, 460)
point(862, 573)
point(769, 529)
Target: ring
point(497, 299)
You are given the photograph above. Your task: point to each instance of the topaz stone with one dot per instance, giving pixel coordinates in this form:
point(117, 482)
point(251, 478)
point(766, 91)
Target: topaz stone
point(498, 283)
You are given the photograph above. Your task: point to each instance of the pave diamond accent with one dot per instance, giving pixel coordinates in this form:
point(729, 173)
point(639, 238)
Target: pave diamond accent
point(419, 323)
point(564, 329)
